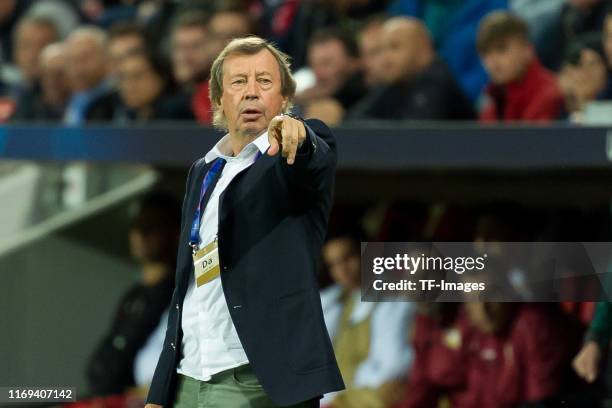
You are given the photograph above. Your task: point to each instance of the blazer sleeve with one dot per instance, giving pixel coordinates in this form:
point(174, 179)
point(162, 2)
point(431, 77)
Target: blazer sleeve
point(315, 162)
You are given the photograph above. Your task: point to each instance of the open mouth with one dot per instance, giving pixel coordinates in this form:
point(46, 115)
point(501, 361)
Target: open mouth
point(251, 114)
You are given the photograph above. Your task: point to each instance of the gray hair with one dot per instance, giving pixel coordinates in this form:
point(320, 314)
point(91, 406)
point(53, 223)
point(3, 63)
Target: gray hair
point(247, 46)
point(89, 32)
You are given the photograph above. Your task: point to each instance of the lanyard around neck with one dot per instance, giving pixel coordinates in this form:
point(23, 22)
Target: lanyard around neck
point(211, 175)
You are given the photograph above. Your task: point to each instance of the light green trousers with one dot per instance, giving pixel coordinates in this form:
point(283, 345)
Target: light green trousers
point(233, 388)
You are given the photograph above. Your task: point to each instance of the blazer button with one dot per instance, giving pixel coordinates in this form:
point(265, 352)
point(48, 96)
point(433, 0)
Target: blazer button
point(177, 306)
point(173, 346)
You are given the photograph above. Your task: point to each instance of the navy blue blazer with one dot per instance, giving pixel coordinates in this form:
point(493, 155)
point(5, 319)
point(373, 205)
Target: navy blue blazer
point(272, 223)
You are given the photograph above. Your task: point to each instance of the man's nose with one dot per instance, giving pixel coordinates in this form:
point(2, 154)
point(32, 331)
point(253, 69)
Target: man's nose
point(251, 92)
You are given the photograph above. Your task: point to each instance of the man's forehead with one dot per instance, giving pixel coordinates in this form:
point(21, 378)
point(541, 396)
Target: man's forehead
point(261, 62)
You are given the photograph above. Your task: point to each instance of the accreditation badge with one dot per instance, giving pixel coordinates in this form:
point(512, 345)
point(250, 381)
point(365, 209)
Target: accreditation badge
point(206, 263)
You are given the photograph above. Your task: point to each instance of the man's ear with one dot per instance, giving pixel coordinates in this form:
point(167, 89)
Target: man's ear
point(284, 104)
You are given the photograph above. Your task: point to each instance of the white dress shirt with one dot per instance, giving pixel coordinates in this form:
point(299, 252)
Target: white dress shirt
point(147, 357)
point(210, 343)
point(391, 354)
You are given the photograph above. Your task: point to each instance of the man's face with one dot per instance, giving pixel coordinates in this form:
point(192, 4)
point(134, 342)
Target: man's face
point(399, 56)
point(121, 47)
point(149, 245)
point(251, 92)
point(191, 53)
point(370, 50)
point(30, 41)
point(342, 262)
point(87, 65)
point(590, 75)
point(607, 39)
point(225, 26)
point(53, 79)
point(7, 8)
point(331, 64)
point(507, 60)
point(139, 84)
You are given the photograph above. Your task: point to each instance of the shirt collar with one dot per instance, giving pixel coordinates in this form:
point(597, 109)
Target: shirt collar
point(223, 149)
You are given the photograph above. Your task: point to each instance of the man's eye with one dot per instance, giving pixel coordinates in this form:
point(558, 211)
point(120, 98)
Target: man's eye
point(265, 81)
point(238, 82)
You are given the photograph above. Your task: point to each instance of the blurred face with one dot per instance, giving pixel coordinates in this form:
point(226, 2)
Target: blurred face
point(30, 41)
point(590, 76)
point(87, 65)
point(342, 262)
point(607, 39)
point(507, 60)
point(399, 56)
point(583, 4)
point(225, 26)
point(147, 246)
point(370, 50)
point(192, 53)
point(139, 84)
point(122, 46)
point(331, 64)
point(251, 92)
point(7, 8)
point(54, 80)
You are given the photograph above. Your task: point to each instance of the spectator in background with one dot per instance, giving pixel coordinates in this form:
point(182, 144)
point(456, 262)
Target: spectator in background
point(369, 40)
point(153, 241)
point(418, 85)
point(63, 14)
point(123, 39)
point(607, 37)
point(495, 355)
point(607, 46)
point(584, 77)
point(519, 354)
point(228, 23)
point(106, 13)
point(54, 87)
point(146, 90)
point(334, 59)
point(588, 361)
point(441, 332)
point(370, 339)
point(520, 87)
point(10, 13)
point(454, 25)
point(32, 35)
point(92, 93)
point(193, 51)
point(575, 18)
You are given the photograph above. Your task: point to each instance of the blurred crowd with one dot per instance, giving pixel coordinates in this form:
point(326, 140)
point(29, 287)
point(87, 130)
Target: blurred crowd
point(125, 61)
point(396, 354)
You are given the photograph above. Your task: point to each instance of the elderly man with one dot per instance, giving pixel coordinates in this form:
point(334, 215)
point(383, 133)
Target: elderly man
point(417, 84)
point(246, 327)
point(88, 68)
